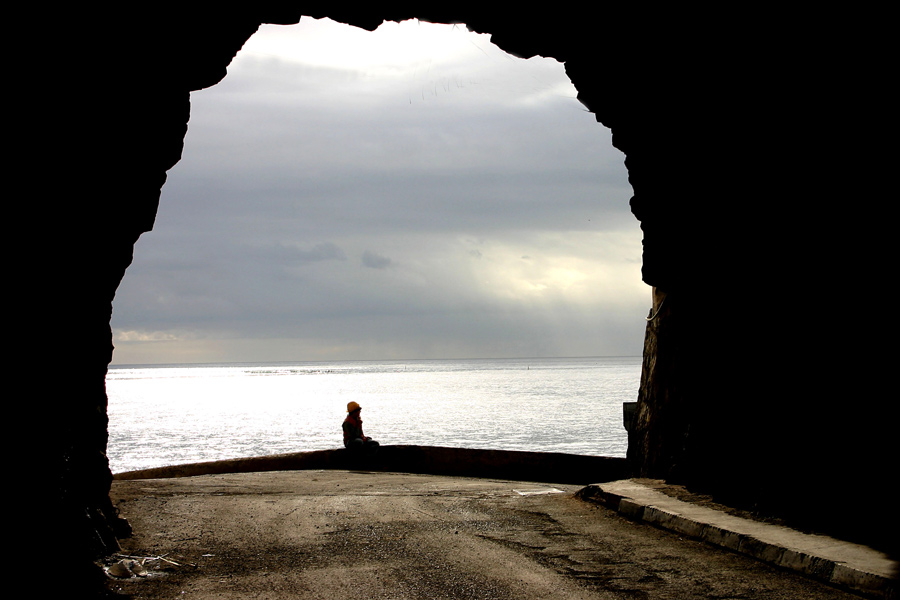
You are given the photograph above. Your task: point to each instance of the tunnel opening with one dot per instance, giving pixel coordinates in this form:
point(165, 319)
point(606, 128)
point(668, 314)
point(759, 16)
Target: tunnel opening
point(404, 194)
point(755, 149)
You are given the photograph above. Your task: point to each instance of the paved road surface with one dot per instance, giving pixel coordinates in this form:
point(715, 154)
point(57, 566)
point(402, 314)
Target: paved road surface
point(350, 534)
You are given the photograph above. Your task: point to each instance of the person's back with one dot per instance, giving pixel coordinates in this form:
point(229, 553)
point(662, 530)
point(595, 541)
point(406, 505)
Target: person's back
point(354, 438)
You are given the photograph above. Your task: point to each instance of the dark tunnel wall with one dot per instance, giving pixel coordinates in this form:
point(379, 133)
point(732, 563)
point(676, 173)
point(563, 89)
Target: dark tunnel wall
point(749, 389)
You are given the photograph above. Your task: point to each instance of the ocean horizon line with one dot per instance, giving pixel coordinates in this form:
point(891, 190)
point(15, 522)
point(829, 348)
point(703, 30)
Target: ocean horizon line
point(354, 360)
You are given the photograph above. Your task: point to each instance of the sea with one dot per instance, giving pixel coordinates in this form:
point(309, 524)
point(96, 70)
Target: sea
point(175, 414)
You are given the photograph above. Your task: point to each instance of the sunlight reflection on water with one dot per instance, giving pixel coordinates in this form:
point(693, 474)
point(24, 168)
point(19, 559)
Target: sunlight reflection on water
point(171, 415)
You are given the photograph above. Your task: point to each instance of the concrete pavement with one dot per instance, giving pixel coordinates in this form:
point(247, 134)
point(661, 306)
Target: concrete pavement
point(240, 520)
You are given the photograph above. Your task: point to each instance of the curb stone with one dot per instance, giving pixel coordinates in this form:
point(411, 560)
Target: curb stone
point(836, 562)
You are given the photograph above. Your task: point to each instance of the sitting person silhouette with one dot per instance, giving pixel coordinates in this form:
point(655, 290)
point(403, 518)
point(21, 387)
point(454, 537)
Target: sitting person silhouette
point(354, 439)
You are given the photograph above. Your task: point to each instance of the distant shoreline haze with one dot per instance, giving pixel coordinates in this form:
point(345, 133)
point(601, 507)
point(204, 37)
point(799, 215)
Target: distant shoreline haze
point(279, 363)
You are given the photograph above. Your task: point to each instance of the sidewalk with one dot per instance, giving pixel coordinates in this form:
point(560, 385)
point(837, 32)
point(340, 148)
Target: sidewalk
point(834, 561)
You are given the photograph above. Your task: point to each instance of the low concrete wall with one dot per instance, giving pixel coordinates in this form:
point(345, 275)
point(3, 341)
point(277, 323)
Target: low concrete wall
point(464, 462)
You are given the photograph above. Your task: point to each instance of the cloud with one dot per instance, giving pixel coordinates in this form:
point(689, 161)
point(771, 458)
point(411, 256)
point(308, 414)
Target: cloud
point(292, 255)
point(375, 261)
point(441, 170)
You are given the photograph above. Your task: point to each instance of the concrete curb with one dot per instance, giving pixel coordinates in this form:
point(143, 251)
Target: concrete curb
point(843, 564)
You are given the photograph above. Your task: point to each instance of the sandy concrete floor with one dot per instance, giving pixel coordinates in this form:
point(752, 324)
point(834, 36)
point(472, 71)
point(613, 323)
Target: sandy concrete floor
point(349, 534)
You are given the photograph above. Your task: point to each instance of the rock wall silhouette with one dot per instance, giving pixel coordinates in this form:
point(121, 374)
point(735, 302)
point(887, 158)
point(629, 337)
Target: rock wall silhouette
point(750, 369)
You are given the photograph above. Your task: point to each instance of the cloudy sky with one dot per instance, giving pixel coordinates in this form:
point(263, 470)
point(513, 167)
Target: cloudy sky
point(411, 192)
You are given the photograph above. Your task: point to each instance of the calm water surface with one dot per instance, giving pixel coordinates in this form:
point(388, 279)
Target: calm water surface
point(187, 413)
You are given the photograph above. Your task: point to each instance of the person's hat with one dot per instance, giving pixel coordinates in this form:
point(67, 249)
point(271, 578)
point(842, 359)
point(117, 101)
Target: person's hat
point(351, 406)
